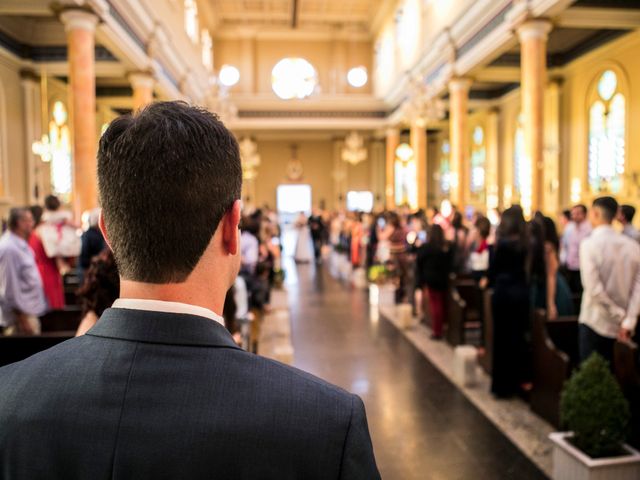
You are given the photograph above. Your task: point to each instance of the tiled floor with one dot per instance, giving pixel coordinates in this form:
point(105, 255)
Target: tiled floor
point(422, 426)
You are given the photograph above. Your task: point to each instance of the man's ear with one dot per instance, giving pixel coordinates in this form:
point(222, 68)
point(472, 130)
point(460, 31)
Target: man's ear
point(103, 229)
point(230, 224)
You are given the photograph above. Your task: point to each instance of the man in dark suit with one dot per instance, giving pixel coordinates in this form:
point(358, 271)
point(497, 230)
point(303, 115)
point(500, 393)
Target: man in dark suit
point(158, 389)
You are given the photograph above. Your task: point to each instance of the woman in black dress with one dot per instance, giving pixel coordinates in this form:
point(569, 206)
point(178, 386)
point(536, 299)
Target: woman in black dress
point(510, 303)
point(433, 265)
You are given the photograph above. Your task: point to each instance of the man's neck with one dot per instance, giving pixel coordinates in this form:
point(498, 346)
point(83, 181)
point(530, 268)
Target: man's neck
point(602, 224)
point(20, 235)
point(188, 292)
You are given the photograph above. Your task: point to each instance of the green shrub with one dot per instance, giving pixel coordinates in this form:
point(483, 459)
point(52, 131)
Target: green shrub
point(378, 273)
point(594, 409)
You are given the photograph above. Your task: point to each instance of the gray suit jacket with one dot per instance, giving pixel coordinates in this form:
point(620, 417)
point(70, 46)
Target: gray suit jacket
point(159, 395)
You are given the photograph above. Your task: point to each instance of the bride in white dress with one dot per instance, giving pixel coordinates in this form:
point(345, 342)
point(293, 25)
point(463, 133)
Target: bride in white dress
point(304, 250)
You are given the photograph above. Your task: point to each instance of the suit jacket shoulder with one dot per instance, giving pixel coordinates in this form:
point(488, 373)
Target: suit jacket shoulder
point(148, 395)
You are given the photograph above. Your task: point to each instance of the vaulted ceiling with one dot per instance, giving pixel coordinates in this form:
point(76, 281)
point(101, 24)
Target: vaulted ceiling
point(296, 14)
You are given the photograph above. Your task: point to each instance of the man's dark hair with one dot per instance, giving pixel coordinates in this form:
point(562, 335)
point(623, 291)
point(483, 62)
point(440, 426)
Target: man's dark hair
point(608, 206)
point(628, 212)
point(484, 226)
point(15, 215)
point(581, 207)
point(52, 203)
point(166, 178)
point(36, 212)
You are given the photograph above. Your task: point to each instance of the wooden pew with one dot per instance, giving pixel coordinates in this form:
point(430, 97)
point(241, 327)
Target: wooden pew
point(67, 319)
point(464, 310)
point(71, 283)
point(555, 355)
point(626, 361)
point(18, 347)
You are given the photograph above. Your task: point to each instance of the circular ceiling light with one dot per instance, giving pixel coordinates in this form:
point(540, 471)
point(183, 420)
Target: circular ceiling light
point(229, 75)
point(293, 78)
point(357, 77)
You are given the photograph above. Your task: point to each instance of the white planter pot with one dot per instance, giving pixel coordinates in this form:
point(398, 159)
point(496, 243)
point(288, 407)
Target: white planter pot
point(374, 295)
point(359, 278)
point(569, 463)
point(386, 295)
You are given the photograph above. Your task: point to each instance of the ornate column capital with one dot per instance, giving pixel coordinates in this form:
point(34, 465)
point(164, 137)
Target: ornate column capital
point(457, 84)
point(77, 19)
point(392, 132)
point(537, 28)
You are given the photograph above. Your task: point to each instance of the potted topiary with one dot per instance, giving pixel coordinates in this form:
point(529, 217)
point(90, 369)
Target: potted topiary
point(597, 416)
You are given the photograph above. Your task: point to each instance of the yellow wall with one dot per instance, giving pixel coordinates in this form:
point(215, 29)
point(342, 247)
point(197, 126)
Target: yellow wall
point(318, 162)
point(331, 58)
point(580, 76)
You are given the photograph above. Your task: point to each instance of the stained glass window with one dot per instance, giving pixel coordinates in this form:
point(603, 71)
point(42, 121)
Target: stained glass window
point(445, 168)
point(207, 49)
point(406, 178)
point(607, 124)
point(478, 162)
point(191, 19)
point(60, 142)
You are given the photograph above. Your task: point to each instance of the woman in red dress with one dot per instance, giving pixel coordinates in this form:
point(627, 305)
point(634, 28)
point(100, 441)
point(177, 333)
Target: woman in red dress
point(51, 278)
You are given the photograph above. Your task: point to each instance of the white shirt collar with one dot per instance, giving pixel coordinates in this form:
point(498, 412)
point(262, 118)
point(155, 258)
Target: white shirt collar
point(602, 229)
point(166, 307)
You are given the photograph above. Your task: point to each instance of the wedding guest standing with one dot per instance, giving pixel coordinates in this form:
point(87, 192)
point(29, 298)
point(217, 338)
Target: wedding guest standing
point(610, 268)
point(510, 303)
point(47, 266)
point(433, 265)
point(574, 234)
point(625, 217)
point(22, 298)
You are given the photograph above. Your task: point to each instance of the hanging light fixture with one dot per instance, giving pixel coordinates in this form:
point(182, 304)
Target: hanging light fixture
point(249, 158)
point(404, 152)
point(354, 151)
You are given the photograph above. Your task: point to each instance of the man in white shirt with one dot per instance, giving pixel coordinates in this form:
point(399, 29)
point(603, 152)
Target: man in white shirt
point(625, 217)
point(22, 297)
point(577, 230)
point(610, 270)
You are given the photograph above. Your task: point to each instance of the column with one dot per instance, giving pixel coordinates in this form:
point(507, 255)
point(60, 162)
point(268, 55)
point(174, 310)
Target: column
point(142, 84)
point(247, 63)
point(80, 26)
point(533, 45)
point(33, 132)
point(552, 175)
point(459, 139)
point(340, 175)
point(419, 145)
point(377, 171)
point(393, 139)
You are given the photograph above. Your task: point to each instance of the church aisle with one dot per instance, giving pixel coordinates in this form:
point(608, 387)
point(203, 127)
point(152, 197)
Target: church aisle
point(422, 427)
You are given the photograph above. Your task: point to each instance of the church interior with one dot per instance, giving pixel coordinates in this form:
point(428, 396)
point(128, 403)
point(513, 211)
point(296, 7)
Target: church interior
point(366, 129)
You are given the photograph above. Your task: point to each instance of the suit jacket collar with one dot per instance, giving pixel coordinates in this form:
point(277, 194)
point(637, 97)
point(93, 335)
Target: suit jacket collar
point(161, 327)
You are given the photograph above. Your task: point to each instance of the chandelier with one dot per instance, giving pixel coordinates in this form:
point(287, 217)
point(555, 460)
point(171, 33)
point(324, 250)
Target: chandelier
point(354, 151)
point(249, 158)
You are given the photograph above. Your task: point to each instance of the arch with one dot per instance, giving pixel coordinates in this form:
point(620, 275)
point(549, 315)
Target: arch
point(607, 114)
